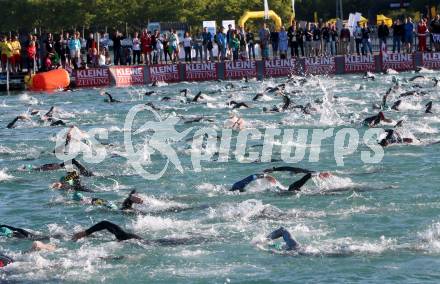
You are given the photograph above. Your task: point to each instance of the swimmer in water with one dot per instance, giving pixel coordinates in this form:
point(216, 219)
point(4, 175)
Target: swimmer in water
point(71, 182)
point(376, 119)
point(297, 185)
point(394, 137)
point(290, 243)
point(22, 117)
point(236, 105)
point(110, 98)
point(55, 166)
point(122, 235)
point(240, 185)
point(428, 107)
point(235, 122)
point(127, 204)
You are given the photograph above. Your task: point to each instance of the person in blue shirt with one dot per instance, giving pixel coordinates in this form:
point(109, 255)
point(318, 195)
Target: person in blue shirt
point(221, 43)
point(408, 34)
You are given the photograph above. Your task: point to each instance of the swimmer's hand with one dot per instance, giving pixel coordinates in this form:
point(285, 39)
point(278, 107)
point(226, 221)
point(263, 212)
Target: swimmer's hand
point(79, 235)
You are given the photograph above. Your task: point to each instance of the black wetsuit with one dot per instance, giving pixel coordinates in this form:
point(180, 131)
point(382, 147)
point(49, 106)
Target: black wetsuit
point(23, 234)
point(291, 243)
point(122, 235)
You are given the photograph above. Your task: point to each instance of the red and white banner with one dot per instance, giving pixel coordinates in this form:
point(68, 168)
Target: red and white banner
point(319, 65)
point(201, 71)
point(359, 63)
point(397, 61)
point(92, 77)
point(127, 75)
point(431, 60)
point(279, 67)
point(165, 73)
point(240, 69)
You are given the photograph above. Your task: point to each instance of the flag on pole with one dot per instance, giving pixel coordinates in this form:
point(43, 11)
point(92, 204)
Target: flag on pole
point(266, 10)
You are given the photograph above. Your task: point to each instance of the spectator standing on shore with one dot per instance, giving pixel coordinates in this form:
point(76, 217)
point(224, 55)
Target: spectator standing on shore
point(6, 53)
point(383, 32)
point(38, 54)
point(207, 44)
point(325, 31)
point(66, 49)
point(136, 49)
point(198, 47)
point(146, 47)
point(264, 35)
point(291, 34)
point(422, 31)
point(243, 43)
point(173, 41)
point(435, 32)
point(16, 54)
point(75, 50)
point(187, 42)
point(235, 46)
point(345, 37)
point(308, 43)
point(274, 38)
point(117, 48)
point(166, 48)
point(60, 49)
point(220, 39)
point(283, 43)
point(357, 33)
point(408, 34)
point(31, 52)
point(366, 41)
point(153, 44)
point(397, 35)
point(300, 38)
point(250, 39)
point(317, 38)
point(228, 39)
point(159, 48)
point(333, 39)
point(91, 47)
point(49, 43)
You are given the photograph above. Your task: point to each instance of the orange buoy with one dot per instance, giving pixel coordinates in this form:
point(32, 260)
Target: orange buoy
point(51, 80)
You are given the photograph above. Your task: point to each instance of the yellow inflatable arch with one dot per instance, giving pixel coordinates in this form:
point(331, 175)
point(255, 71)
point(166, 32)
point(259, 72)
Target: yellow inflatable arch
point(260, 14)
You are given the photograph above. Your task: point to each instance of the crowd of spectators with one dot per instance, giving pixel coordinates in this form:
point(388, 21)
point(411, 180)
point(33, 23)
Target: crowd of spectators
point(155, 47)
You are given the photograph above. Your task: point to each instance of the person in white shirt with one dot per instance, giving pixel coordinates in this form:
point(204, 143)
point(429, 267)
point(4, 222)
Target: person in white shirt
point(187, 43)
point(136, 49)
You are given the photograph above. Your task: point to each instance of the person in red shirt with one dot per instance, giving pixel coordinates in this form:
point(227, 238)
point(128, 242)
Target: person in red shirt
point(422, 30)
point(31, 52)
point(146, 47)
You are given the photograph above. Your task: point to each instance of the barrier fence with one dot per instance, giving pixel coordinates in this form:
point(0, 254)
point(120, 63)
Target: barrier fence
point(122, 76)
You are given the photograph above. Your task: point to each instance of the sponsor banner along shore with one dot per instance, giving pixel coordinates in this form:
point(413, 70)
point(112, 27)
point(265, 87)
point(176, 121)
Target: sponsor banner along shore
point(280, 67)
point(95, 77)
point(431, 60)
point(165, 73)
point(397, 61)
point(128, 75)
point(359, 63)
point(319, 65)
point(240, 69)
point(201, 71)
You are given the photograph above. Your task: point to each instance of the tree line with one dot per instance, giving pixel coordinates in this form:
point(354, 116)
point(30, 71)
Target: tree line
point(96, 15)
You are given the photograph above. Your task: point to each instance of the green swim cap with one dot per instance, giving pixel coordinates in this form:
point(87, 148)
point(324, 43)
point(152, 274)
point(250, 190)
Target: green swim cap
point(276, 246)
point(70, 182)
point(77, 196)
point(29, 167)
point(5, 232)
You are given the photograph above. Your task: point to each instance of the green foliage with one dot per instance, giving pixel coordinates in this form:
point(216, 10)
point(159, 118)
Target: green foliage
point(54, 15)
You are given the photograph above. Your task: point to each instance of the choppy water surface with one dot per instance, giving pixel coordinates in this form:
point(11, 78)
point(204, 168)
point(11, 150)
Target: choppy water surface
point(370, 223)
